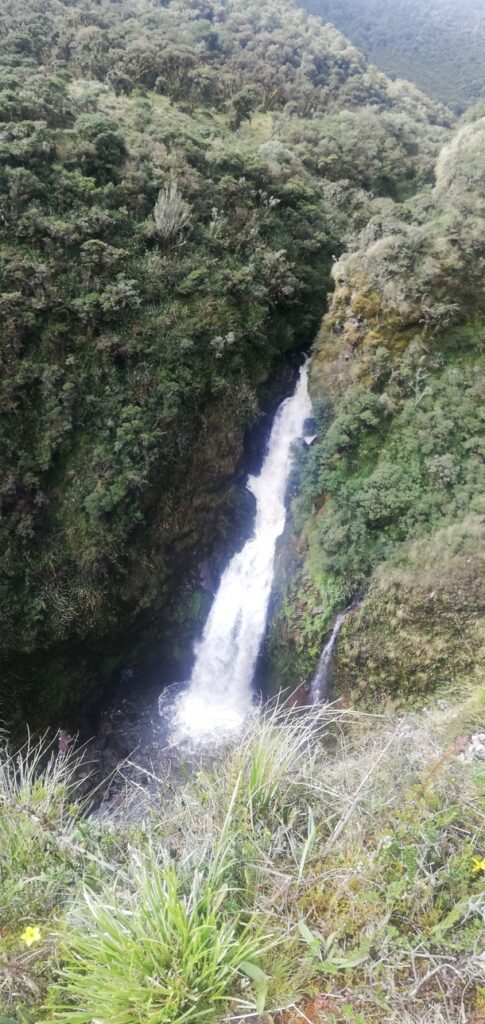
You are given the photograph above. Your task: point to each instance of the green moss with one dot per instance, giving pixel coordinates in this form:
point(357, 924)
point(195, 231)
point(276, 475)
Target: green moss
point(419, 629)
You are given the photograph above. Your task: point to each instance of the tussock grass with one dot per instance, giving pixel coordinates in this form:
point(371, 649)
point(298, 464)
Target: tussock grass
point(166, 952)
point(327, 856)
point(39, 813)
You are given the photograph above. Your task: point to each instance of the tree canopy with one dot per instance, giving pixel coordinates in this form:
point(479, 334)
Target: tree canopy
point(439, 44)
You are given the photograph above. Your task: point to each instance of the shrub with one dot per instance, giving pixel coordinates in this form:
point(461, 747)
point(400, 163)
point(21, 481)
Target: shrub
point(171, 213)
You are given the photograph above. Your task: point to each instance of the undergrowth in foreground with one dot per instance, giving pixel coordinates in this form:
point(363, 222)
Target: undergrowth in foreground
point(330, 867)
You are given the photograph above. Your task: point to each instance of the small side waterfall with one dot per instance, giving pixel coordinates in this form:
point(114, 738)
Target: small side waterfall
point(213, 706)
point(320, 683)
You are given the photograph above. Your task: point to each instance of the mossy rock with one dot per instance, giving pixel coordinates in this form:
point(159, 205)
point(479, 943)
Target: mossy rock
point(420, 628)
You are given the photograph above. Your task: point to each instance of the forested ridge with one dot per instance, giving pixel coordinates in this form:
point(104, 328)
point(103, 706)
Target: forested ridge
point(175, 183)
point(438, 44)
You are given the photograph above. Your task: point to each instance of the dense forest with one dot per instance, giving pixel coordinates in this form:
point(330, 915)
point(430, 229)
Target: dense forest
point(438, 44)
point(176, 182)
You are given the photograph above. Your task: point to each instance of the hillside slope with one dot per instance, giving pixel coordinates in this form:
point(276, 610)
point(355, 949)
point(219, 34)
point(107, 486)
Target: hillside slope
point(327, 868)
point(438, 44)
point(393, 489)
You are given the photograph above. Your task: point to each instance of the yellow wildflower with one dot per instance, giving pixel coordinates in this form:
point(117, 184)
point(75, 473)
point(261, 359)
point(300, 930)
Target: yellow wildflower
point(478, 863)
point(31, 934)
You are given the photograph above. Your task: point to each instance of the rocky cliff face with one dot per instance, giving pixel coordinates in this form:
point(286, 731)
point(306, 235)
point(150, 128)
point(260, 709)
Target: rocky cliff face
point(420, 628)
point(392, 490)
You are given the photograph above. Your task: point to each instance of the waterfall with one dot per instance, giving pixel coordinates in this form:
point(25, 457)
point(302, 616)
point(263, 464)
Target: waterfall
point(321, 680)
point(213, 707)
point(320, 683)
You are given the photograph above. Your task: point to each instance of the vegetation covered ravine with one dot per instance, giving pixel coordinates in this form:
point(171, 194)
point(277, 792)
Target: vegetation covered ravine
point(437, 44)
point(193, 192)
point(175, 183)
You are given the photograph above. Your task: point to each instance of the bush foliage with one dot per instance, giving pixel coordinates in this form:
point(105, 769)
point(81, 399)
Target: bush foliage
point(397, 381)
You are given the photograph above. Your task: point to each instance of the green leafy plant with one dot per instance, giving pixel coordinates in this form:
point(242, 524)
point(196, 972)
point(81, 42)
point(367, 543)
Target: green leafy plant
point(331, 959)
point(167, 952)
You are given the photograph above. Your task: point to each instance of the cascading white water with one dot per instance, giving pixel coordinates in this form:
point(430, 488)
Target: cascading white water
point(320, 682)
point(213, 707)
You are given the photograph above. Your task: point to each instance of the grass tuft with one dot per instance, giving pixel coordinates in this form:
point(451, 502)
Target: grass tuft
point(163, 952)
